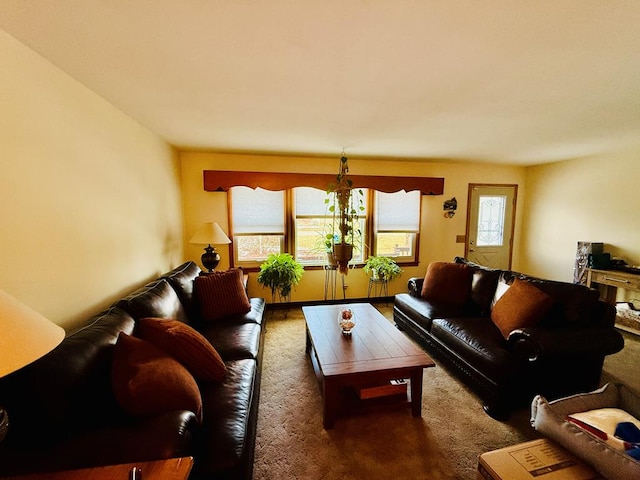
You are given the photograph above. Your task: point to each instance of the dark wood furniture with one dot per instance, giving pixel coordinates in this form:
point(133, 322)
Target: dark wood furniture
point(375, 352)
point(171, 469)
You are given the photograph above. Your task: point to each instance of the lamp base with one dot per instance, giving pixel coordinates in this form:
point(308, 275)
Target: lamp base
point(4, 423)
point(210, 258)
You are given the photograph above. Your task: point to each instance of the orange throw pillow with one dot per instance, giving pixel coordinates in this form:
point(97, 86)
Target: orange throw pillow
point(185, 344)
point(447, 282)
point(147, 381)
point(522, 305)
point(221, 294)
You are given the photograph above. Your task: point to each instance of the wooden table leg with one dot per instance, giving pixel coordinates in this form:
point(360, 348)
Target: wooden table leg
point(330, 403)
point(416, 392)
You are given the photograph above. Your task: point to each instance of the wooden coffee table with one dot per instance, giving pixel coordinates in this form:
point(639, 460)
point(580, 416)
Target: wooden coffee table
point(375, 352)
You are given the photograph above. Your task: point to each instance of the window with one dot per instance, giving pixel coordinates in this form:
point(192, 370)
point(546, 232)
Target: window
point(397, 224)
point(313, 224)
point(298, 221)
point(257, 224)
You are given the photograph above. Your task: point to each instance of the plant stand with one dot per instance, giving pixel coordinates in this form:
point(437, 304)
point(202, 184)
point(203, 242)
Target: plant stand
point(330, 282)
point(379, 286)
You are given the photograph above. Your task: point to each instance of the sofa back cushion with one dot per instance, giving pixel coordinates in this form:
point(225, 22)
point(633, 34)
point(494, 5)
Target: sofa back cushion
point(449, 283)
point(155, 299)
point(69, 389)
point(573, 303)
point(483, 285)
point(182, 279)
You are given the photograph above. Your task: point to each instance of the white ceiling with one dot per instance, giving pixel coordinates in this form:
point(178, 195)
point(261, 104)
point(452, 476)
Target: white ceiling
point(513, 81)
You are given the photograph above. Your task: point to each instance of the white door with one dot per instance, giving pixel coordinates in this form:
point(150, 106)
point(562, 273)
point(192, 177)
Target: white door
point(490, 224)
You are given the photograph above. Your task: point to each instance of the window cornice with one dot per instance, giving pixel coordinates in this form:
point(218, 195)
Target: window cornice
point(222, 180)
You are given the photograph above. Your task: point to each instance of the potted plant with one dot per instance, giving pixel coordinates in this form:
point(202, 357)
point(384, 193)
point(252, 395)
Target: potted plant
point(280, 272)
point(382, 268)
point(345, 203)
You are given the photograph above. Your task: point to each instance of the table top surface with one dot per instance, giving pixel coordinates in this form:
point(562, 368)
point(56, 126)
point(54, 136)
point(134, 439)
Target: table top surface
point(375, 344)
point(170, 469)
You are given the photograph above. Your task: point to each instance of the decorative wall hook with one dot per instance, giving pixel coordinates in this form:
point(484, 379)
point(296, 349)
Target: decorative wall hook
point(450, 207)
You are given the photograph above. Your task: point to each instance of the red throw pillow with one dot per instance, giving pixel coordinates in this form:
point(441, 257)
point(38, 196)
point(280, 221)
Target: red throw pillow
point(447, 282)
point(185, 344)
point(147, 381)
point(221, 294)
point(522, 305)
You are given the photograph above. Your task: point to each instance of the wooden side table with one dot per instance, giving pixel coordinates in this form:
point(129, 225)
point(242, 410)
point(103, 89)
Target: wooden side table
point(171, 469)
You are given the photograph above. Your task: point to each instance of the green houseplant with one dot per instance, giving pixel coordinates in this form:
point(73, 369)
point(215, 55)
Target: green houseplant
point(344, 202)
point(383, 268)
point(280, 272)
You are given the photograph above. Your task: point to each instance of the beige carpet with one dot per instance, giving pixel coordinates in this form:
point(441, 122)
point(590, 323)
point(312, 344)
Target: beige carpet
point(443, 444)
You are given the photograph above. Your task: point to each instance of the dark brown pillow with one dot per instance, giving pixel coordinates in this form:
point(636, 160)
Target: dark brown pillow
point(147, 381)
point(221, 294)
point(447, 282)
point(522, 305)
point(185, 344)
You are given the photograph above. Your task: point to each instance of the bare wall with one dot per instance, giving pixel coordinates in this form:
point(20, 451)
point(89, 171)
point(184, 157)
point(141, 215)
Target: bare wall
point(90, 200)
point(591, 199)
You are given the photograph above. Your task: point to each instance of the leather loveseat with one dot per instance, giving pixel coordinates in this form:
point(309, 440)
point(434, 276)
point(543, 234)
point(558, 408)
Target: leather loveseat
point(64, 413)
point(552, 340)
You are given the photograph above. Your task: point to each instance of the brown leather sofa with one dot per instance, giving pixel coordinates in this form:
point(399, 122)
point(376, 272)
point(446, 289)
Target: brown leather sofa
point(64, 415)
point(562, 354)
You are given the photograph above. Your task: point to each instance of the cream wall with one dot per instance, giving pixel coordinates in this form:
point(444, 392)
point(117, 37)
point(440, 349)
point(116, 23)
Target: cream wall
point(90, 201)
point(592, 199)
point(437, 238)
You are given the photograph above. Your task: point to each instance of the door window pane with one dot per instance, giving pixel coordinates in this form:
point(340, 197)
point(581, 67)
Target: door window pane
point(491, 211)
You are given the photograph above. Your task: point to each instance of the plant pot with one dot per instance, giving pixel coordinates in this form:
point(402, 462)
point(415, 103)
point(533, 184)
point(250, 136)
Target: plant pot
point(343, 253)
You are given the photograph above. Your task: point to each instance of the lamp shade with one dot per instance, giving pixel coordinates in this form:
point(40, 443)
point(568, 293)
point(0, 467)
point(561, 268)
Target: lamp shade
point(210, 233)
point(25, 335)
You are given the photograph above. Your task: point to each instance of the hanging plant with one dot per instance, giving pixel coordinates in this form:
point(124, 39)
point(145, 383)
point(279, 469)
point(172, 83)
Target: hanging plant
point(345, 203)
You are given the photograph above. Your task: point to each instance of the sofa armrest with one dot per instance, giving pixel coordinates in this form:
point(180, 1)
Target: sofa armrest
point(165, 436)
point(535, 342)
point(414, 284)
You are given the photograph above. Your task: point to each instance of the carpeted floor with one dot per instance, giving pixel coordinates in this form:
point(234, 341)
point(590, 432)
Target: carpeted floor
point(443, 444)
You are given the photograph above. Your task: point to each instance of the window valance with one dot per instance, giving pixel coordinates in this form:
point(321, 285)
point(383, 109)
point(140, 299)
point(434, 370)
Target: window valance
point(222, 180)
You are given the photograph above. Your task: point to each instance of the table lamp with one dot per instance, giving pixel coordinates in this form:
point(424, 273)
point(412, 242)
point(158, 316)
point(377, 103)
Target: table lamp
point(208, 234)
point(25, 336)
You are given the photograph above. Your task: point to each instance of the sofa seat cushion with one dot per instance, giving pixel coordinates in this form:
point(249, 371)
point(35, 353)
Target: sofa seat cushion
point(255, 315)
point(479, 343)
point(156, 299)
point(423, 312)
point(232, 340)
point(227, 418)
